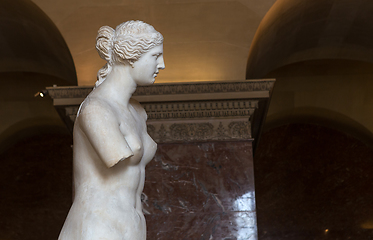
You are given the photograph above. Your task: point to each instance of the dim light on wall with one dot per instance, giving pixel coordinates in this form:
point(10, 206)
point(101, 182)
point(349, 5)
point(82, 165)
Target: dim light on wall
point(367, 225)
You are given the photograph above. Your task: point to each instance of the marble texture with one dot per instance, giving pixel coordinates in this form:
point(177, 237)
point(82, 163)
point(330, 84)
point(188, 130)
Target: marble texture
point(111, 143)
point(201, 191)
point(295, 200)
point(189, 180)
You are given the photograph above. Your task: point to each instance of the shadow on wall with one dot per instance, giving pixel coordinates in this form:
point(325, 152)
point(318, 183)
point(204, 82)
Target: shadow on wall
point(336, 92)
point(28, 128)
point(323, 117)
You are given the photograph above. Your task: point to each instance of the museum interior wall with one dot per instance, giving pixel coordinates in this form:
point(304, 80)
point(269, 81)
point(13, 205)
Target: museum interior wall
point(34, 54)
point(316, 150)
point(320, 52)
point(200, 184)
point(204, 39)
point(313, 166)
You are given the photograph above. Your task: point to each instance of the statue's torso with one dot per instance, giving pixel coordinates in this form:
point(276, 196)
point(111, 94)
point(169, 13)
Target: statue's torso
point(107, 201)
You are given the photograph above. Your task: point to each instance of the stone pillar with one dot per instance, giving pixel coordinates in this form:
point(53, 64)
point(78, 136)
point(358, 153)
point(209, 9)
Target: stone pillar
point(200, 184)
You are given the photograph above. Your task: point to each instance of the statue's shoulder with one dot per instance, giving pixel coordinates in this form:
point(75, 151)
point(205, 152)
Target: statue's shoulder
point(95, 106)
point(139, 109)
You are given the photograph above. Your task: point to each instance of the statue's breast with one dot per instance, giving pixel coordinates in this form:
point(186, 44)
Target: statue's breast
point(150, 147)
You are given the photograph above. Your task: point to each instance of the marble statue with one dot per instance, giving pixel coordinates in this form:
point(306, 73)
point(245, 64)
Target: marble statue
point(111, 144)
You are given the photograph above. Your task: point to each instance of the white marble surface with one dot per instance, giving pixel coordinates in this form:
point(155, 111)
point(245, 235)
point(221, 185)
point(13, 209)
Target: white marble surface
point(111, 144)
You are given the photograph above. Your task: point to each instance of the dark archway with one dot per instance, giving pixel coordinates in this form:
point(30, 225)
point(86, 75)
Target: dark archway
point(313, 182)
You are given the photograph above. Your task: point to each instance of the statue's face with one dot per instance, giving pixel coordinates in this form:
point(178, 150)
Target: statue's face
point(147, 67)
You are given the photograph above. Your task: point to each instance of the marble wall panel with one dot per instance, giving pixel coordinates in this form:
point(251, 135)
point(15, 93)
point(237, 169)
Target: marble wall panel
point(201, 191)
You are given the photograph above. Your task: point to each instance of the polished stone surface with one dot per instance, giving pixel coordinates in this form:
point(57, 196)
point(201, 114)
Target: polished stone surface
point(192, 191)
point(308, 179)
point(201, 191)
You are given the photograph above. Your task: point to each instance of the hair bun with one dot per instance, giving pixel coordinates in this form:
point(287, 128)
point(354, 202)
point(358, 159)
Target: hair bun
point(104, 42)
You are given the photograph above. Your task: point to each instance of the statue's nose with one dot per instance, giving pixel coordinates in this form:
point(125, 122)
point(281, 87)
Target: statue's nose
point(161, 64)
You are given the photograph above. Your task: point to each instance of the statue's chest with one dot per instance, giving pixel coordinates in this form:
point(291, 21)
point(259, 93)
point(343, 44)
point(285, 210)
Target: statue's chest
point(131, 122)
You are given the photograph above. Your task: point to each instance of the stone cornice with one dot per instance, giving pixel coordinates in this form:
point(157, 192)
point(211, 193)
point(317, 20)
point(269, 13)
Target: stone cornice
point(182, 112)
point(180, 89)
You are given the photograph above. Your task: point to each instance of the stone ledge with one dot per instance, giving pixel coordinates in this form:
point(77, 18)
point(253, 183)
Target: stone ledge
point(185, 112)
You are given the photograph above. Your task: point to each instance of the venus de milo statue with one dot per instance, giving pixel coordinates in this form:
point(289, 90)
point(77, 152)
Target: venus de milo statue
point(111, 144)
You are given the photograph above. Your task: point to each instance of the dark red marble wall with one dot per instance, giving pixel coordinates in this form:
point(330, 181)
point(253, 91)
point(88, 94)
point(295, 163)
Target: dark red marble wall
point(201, 191)
point(192, 191)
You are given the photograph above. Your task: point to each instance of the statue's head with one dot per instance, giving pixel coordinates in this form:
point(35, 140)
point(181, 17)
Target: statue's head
point(125, 45)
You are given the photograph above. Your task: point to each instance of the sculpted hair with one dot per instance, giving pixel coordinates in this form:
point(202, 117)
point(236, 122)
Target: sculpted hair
point(125, 44)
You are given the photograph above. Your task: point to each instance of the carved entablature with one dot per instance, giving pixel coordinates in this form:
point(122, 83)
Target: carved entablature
point(200, 109)
point(205, 87)
point(194, 131)
point(209, 111)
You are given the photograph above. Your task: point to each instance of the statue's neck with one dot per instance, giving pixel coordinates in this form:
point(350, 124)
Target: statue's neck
point(119, 85)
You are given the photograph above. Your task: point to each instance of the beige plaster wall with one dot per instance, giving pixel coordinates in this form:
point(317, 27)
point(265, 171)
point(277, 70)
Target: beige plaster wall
point(204, 40)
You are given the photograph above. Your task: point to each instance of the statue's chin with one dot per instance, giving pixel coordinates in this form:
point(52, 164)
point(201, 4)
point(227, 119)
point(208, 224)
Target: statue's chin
point(147, 83)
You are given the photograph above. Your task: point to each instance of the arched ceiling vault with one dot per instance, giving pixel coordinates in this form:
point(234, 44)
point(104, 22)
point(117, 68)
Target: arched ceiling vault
point(30, 42)
point(297, 31)
point(33, 56)
point(204, 39)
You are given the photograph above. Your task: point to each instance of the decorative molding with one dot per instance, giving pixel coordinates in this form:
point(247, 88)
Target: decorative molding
point(69, 92)
point(200, 109)
point(171, 89)
point(71, 112)
point(207, 87)
point(196, 131)
point(178, 113)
